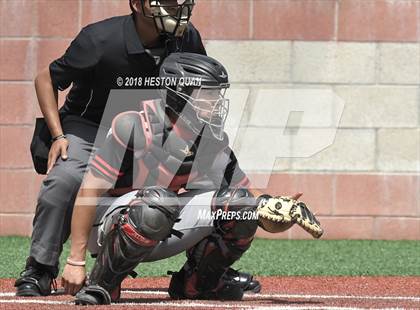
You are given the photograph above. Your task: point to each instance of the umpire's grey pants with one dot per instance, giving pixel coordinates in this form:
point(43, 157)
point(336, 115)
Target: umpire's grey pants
point(52, 221)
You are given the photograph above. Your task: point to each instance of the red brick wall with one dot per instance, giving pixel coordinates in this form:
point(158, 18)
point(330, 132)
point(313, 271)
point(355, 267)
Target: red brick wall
point(376, 204)
point(321, 20)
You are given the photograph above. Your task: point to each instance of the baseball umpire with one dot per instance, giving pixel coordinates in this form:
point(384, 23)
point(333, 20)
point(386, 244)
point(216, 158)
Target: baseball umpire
point(173, 161)
point(124, 46)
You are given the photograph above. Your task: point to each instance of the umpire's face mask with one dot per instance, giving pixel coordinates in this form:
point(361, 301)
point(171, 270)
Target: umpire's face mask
point(171, 16)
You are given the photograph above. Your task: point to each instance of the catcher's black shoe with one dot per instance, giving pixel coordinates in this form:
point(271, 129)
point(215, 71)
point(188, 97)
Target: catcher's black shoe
point(93, 295)
point(36, 280)
point(228, 290)
point(96, 295)
point(245, 280)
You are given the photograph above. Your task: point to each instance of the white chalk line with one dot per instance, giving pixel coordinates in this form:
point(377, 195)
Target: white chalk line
point(193, 305)
point(260, 296)
point(303, 296)
point(34, 301)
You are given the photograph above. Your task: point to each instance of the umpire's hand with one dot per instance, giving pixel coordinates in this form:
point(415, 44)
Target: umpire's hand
point(58, 148)
point(73, 278)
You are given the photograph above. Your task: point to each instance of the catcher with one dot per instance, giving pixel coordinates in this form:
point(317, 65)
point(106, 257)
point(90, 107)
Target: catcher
point(173, 161)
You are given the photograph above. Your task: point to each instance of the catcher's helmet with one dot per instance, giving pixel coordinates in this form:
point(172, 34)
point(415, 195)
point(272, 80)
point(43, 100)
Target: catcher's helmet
point(197, 91)
point(170, 16)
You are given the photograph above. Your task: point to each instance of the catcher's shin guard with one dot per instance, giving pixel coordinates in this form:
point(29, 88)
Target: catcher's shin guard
point(208, 261)
point(134, 233)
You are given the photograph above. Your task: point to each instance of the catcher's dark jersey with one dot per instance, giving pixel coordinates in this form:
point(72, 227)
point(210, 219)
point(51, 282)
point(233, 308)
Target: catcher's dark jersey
point(172, 156)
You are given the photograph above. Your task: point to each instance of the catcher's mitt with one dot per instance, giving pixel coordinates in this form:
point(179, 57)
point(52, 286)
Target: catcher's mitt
point(277, 214)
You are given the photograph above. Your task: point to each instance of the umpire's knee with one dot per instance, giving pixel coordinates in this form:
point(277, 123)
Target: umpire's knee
point(59, 189)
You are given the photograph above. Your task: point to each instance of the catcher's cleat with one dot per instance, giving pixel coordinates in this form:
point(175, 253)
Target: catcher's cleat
point(246, 280)
point(93, 295)
point(227, 290)
point(36, 280)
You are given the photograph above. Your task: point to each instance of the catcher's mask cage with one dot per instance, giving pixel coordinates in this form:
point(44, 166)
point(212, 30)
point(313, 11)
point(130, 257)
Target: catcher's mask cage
point(210, 107)
point(204, 106)
point(170, 16)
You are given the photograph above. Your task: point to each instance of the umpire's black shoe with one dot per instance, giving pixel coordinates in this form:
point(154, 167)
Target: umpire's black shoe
point(245, 280)
point(36, 280)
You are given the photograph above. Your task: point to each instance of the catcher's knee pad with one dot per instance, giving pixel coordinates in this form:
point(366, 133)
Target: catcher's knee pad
point(133, 234)
point(234, 230)
point(235, 215)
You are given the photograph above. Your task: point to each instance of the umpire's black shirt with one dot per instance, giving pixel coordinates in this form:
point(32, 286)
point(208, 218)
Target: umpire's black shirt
point(109, 55)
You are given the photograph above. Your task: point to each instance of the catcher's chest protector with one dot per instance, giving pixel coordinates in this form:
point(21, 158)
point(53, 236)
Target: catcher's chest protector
point(171, 151)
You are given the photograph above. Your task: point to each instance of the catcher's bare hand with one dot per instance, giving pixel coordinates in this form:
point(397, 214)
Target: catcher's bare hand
point(73, 278)
point(277, 214)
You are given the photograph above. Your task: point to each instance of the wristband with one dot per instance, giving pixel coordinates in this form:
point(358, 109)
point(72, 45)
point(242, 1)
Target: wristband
point(62, 136)
point(76, 263)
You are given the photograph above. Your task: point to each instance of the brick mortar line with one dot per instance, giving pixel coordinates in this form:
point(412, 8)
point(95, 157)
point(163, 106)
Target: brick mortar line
point(35, 20)
point(17, 214)
point(378, 53)
point(340, 127)
point(325, 85)
point(19, 168)
point(347, 172)
point(17, 81)
point(313, 41)
point(336, 19)
point(36, 38)
point(24, 125)
point(337, 172)
point(80, 11)
point(292, 61)
point(286, 83)
point(376, 150)
point(24, 82)
point(418, 101)
point(373, 216)
point(251, 19)
point(10, 169)
point(418, 23)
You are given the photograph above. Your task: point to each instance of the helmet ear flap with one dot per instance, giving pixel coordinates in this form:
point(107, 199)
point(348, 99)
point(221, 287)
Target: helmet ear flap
point(173, 98)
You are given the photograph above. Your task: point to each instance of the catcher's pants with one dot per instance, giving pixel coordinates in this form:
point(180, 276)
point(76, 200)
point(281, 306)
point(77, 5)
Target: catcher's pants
point(51, 224)
point(195, 222)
